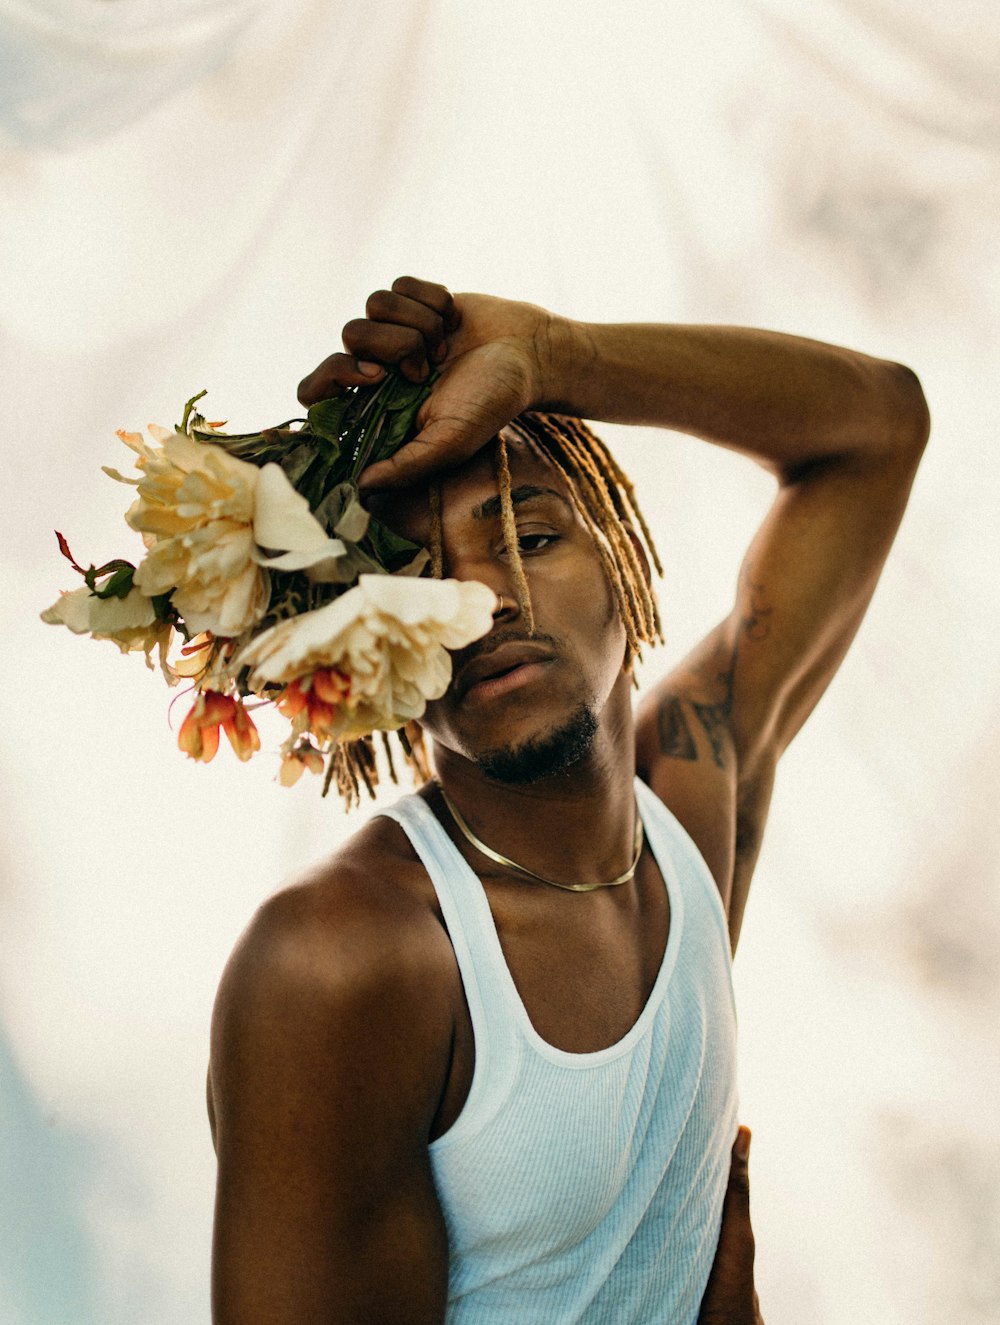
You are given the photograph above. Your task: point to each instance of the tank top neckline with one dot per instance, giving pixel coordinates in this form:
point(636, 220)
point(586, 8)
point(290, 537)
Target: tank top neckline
point(474, 900)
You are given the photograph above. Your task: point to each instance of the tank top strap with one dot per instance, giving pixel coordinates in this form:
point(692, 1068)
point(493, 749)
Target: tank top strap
point(465, 909)
point(681, 861)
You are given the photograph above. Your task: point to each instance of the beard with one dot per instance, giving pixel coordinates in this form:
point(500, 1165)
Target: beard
point(542, 756)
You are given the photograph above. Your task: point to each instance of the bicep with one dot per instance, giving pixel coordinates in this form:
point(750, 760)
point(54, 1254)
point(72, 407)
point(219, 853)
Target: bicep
point(325, 1202)
point(711, 732)
point(803, 590)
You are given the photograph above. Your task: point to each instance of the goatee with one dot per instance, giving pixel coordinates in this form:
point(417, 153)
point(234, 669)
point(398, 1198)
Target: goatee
point(543, 756)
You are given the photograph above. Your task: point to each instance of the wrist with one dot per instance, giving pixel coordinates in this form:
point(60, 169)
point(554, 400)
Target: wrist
point(564, 351)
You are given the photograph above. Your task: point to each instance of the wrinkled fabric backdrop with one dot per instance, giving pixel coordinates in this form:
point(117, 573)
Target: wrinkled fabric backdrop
point(199, 193)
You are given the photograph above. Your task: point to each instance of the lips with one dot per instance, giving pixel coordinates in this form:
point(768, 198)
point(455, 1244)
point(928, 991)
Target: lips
point(498, 661)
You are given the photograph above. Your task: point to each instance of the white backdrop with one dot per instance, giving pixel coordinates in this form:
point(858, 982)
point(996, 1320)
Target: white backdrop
point(199, 194)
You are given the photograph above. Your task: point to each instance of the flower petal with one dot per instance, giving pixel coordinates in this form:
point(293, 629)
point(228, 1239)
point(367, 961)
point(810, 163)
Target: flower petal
point(282, 518)
point(85, 613)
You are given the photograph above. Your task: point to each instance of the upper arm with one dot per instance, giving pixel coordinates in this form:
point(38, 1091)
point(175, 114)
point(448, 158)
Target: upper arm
point(326, 1063)
point(712, 731)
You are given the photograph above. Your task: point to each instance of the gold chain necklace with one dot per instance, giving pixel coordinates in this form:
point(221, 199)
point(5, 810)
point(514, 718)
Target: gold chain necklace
point(470, 836)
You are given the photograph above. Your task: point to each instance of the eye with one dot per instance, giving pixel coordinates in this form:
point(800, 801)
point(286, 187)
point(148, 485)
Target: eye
point(527, 543)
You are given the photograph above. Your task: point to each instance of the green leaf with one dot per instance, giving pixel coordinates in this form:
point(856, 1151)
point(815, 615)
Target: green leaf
point(326, 417)
point(389, 547)
point(296, 461)
point(164, 608)
point(118, 586)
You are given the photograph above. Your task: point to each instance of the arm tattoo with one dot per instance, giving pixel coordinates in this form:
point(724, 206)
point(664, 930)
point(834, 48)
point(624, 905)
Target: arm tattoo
point(675, 738)
point(755, 625)
point(675, 734)
point(715, 717)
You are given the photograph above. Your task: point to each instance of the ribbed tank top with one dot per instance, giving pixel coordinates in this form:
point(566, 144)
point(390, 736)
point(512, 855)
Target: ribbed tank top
point(586, 1189)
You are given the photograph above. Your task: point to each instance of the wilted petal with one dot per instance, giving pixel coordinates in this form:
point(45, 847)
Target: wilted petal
point(84, 613)
point(242, 733)
point(331, 550)
point(282, 518)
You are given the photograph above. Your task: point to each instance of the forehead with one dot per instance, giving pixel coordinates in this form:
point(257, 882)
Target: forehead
point(470, 492)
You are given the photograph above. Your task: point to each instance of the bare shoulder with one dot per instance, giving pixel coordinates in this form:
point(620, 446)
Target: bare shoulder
point(354, 953)
point(331, 1038)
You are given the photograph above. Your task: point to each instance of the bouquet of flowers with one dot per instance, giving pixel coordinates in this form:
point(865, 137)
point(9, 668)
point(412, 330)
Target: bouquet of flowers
point(277, 585)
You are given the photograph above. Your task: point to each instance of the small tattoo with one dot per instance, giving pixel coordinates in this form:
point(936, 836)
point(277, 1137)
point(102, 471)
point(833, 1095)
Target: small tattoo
point(715, 719)
point(756, 625)
point(675, 734)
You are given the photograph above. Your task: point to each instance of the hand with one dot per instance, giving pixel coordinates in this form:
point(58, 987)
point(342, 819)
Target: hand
point(730, 1297)
point(494, 357)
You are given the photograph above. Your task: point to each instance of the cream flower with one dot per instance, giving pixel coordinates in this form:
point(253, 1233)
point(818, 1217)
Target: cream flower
point(129, 622)
point(204, 515)
point(389, 634)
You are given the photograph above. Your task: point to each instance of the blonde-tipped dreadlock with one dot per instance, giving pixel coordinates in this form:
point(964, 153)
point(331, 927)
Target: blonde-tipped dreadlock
point(509, 526)
point(604, 498)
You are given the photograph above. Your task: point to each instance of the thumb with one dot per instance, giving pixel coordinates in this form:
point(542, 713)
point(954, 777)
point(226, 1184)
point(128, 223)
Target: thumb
point(739, 1169)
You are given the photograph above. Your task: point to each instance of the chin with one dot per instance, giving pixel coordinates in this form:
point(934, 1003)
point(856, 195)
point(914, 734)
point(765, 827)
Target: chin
point(542, 756)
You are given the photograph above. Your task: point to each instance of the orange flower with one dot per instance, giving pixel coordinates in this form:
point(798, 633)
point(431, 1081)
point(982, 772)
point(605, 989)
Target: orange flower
point(296, 760)
point(199, 734)
point(314, 702)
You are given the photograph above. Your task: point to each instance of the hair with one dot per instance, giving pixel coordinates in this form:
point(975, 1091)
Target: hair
point(604, 498)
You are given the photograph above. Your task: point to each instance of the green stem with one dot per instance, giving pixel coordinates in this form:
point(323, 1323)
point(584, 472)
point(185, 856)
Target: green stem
point(189, 407)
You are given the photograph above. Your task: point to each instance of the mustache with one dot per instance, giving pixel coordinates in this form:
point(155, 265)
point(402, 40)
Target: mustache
point(482, 648)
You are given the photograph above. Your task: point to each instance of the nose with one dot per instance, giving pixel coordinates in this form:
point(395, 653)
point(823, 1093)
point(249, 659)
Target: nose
point(493, 573)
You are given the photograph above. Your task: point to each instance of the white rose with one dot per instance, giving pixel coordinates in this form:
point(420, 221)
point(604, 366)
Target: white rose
point(204, 515)
point(389, 635)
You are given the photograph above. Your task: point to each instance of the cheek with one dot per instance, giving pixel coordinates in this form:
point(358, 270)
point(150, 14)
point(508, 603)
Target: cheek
point(588, 618)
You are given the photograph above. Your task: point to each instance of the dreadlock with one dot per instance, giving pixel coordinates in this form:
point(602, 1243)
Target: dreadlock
point(604, 498)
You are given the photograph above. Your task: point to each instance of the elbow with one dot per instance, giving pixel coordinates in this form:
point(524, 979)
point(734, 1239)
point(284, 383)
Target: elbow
point(910, 418)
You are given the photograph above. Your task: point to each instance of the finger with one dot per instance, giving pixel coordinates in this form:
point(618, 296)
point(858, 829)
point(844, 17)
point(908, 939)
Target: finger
point(739, 1168)
point(388, 306)
point(427, 454)
point(434, 296)
point(388, 343)
point(334, 375)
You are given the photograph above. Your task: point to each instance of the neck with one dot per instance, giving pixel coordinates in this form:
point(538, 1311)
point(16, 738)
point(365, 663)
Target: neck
point(592, 802)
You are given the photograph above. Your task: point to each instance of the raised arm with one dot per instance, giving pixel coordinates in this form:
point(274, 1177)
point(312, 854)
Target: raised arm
point(328, 1050)
point(841, 432)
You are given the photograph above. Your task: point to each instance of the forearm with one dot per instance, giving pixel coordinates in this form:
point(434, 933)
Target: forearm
point(786, 401)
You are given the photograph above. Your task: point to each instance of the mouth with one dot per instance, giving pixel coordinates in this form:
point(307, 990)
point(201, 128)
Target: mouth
point(492, 686)
point(504, 668)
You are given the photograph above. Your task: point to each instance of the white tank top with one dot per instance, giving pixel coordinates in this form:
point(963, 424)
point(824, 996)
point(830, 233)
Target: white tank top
point(586, 1189)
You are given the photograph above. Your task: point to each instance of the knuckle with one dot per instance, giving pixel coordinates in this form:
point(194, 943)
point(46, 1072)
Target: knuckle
point(380, 303)
point(425, 292)
point(354, 331)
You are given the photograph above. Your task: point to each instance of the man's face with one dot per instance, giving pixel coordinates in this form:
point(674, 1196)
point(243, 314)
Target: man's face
point(521, 706)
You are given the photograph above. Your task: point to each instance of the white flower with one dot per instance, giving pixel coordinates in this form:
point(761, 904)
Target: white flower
point(129, 622)
point(204, 515)
point(389, 636)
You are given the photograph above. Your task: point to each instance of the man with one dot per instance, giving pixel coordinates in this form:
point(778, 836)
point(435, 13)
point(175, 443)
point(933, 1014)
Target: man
point(479, 1066)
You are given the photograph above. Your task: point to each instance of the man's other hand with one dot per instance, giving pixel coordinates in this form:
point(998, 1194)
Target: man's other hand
point(492, 354)
point(730, 1297)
